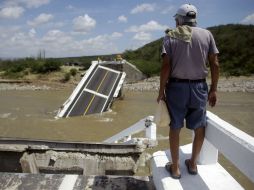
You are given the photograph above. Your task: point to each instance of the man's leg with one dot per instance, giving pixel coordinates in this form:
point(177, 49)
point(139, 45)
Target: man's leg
point(174, 149)
point(196, 119)
point(196, 146)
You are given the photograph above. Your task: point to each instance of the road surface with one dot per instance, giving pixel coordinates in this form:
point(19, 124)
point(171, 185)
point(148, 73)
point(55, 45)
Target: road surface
point(96, 93)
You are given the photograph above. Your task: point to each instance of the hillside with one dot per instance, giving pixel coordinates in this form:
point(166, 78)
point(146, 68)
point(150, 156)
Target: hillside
point(236, 46)
point(146, 58)
point(235, 43)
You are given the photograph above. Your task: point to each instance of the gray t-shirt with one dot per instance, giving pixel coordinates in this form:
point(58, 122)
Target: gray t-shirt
point(188, 60)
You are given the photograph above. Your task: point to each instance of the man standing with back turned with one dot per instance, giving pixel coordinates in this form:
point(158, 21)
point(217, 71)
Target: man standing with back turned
point(185, 53)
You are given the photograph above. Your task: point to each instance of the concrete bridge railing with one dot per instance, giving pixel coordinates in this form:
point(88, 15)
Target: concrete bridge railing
point(236, 145)
point(145, 124)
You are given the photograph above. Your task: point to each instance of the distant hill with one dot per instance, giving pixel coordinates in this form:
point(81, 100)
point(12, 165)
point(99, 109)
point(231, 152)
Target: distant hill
point(234, 41)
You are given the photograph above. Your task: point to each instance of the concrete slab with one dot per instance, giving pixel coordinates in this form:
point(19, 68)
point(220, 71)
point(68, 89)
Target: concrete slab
point(55, 157)
point(73, 182)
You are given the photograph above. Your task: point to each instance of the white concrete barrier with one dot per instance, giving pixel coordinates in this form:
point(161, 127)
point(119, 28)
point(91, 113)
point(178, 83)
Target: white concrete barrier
point(144, 124)
point(236, 145)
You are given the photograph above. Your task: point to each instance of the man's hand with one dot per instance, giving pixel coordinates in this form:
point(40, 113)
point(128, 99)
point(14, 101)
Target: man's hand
point(212, 98)
point(161, 96)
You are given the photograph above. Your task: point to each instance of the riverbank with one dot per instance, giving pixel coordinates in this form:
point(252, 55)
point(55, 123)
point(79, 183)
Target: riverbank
point(37, 84)
point(230, 84)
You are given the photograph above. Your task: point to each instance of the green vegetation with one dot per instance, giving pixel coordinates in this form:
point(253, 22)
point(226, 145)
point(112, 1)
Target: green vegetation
point(146, 58)
point(21, 67)
point(67, 77)
point(235, 43)
point(47, 66)
point(73, 72)
point(236, 46)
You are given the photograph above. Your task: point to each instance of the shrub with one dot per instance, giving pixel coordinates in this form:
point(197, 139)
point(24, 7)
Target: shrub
point(47, 66)
point(52, 65)
point(13, 75)
point(73, 72)
point(37, 67)
point(67, 77)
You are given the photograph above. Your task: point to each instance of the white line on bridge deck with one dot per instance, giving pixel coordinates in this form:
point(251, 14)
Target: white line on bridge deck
point(68, 182)
point(96, 93)
point(106, 68)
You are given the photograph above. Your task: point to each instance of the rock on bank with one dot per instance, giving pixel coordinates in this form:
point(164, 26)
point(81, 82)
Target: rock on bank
point(231, 84)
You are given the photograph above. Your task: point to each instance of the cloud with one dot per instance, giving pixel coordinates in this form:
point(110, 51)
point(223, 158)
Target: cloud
point(27, 3)
point(11, 12)
point(35, 3)
point(18, 38)
point(248, 19)
point(57, 37)
point(150, 26)
point(97, 44)
point(145, 7)
point(70, 7)
point(143, 36)
point(6, 32)
point(102, 39)
point(32, 32)
point(41, 19)
point(83, 24)
point(168, 10)
point(122, 18)
point(116, 35)
point(55, 42)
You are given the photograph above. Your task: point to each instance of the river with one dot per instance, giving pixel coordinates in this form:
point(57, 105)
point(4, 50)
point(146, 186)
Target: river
point(30, 114)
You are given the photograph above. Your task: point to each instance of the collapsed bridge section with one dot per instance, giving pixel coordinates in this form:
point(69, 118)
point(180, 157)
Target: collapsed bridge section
point(94, 93)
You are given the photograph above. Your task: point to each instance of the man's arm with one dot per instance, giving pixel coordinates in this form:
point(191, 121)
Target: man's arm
point(214, 66)
point(164, 76)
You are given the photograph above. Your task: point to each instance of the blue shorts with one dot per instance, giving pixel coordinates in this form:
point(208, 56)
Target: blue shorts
point(187, 100)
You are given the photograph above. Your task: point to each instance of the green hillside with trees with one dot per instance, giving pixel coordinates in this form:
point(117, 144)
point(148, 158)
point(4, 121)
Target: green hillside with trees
point(235, 43)
point(236, 46)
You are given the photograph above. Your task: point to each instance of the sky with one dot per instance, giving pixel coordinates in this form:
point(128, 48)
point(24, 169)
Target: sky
point(69, 28)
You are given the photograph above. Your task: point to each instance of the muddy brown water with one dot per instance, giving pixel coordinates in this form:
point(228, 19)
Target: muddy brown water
point(30, 114)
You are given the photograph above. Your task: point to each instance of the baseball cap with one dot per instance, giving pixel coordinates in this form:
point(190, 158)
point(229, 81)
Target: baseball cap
point(187, 10)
